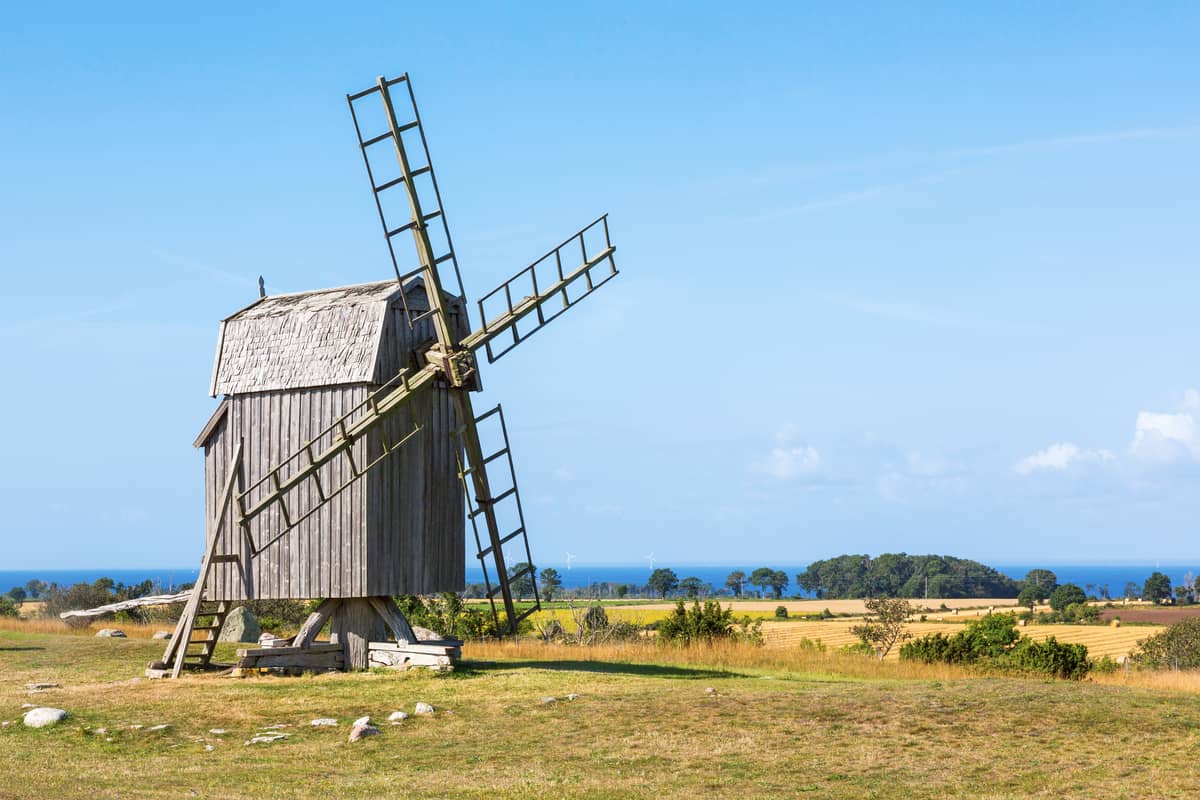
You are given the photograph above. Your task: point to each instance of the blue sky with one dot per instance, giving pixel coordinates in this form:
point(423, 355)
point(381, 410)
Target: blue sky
point(890, 281)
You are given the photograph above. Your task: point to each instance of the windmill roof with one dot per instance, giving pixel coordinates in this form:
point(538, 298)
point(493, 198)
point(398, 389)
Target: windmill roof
point(319, 338)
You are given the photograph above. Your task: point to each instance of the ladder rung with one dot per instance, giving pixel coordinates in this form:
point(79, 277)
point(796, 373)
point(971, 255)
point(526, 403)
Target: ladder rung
point(487, 460)
point(410, 225)
point(408, 126)
point(225, 558)
point(401, 179)
point(488, 550)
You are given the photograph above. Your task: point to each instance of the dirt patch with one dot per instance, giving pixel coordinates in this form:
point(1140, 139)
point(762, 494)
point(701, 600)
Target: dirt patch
point(1159, 616)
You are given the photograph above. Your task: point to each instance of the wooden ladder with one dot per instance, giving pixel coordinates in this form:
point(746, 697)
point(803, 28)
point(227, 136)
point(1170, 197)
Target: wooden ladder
point(180, 647)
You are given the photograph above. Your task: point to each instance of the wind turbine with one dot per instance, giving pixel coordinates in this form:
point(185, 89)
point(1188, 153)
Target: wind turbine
point(570, 558)
point(650, 558)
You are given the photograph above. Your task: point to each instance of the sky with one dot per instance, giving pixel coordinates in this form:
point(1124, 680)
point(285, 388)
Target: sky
point(891, 280)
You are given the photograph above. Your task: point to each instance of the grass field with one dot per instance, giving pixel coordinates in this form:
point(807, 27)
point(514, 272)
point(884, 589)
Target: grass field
point(779, 723)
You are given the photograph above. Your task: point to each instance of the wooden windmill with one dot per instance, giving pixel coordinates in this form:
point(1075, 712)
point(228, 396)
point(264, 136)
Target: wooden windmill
point(338, 461)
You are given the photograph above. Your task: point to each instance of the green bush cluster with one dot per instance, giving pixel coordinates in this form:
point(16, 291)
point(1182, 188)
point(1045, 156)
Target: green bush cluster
point(447, 614)
point(7, 607)
point(1178, 647)
point(707, 623)
point(993, 642)
point(781, 612)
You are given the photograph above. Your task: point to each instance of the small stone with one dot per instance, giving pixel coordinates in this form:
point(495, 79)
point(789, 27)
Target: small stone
point(709, 690)
point(161, 635)
point(5, 723)
point(111, 633)
point(100, 731)
point(136, 727)
point(161, 727)
point(324, 722)
point(549, 700)
point(42, 717)
point(423, 708)
point(363, 731)
point(276, 726)
point(396, 717)
point(28, 705)
point(267, 738)
point(209, 748)
point(427, 635)
point(361, 721)
point(572, 696)
point(40, 686)
point(217, 731)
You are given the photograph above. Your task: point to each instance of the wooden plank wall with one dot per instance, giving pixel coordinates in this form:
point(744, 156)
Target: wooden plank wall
point(326, 554)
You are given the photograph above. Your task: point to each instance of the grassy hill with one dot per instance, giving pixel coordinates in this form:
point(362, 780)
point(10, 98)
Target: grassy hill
point(778, 723)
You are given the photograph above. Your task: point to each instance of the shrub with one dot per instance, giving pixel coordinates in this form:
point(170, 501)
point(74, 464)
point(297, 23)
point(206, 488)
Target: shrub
point(1050, 657)
point(706, 623)
point(993, 641)
point(7, 607)
point(449, 616)
point(595, 618)
point(1177, 647)
point(781, 612)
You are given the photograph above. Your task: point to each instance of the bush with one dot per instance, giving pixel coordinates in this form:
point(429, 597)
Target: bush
point(281, 616)
point(449, 616)
point(706, 623)
point(1178, 647)
point(595, 618)
point(7, 607)
point(1050, 657)
point(781, 612)
point(993, 641)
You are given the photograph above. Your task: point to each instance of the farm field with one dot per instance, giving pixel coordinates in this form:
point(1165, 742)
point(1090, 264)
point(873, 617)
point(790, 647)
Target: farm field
point(1101, 640)
point(777, 723)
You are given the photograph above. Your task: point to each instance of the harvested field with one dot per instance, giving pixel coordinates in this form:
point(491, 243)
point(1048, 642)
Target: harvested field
point(1157, 615)
point(1101, 640)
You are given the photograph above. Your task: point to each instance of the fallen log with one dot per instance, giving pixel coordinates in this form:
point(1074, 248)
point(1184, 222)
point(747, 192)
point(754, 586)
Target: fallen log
point(125, 605)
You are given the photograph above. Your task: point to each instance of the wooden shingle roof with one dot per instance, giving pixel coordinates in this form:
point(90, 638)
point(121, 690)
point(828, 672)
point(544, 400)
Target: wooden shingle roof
point(321, 338)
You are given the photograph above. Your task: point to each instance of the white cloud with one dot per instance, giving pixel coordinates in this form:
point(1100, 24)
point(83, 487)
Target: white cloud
point(1059, 457)
point(1161, 437)
point(790, 462)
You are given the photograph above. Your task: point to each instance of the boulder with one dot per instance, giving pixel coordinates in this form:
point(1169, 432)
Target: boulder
point(423, 709)
point(324, 722)
point(240, 626)
point(111, 633)
point(363, 731)
point(43, 717)
point(161, 635)
point(427, 635)
point(396, 717)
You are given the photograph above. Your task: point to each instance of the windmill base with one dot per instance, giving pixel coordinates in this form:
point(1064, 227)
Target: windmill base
point(359, 630)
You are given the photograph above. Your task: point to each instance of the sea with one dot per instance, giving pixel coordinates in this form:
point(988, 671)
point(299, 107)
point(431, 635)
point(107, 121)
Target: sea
point(1092, 577)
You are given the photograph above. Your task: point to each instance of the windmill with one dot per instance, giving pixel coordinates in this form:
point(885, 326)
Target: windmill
point(338, 461)
point(570, 558)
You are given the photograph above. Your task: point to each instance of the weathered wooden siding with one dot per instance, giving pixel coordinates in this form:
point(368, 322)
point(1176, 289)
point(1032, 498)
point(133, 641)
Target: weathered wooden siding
point(323, 556)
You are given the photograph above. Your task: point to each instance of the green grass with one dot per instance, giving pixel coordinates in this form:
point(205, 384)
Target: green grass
point(643, 726)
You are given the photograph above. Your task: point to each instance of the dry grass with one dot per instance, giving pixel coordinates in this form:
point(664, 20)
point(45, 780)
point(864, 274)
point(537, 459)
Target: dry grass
point(778, 723)
point(56, 626)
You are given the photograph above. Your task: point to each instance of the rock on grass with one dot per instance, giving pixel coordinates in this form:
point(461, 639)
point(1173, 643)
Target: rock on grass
point(44, 717)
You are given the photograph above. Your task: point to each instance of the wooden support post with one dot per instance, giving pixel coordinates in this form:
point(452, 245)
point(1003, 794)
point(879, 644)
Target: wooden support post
point(355, 625)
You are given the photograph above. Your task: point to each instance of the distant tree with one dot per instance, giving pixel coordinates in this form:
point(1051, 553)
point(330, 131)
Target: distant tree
point(621, 590)
point(7, 607)
point(884, 626)
point(778, 582)
point(1189, 583)
point(734, 582)
point(1131, 591)
point(1157, 587)
point(17, 594)
point(35, 588)
point(1182, 595)
point(1031, 595)
point(691, 586)
point(1178, 647)
point(1103, 590)
point(662, 581)
point(522, 586)
point(1044, 579)
point(550, 580)
point(762, 578)
point(1065, 595)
